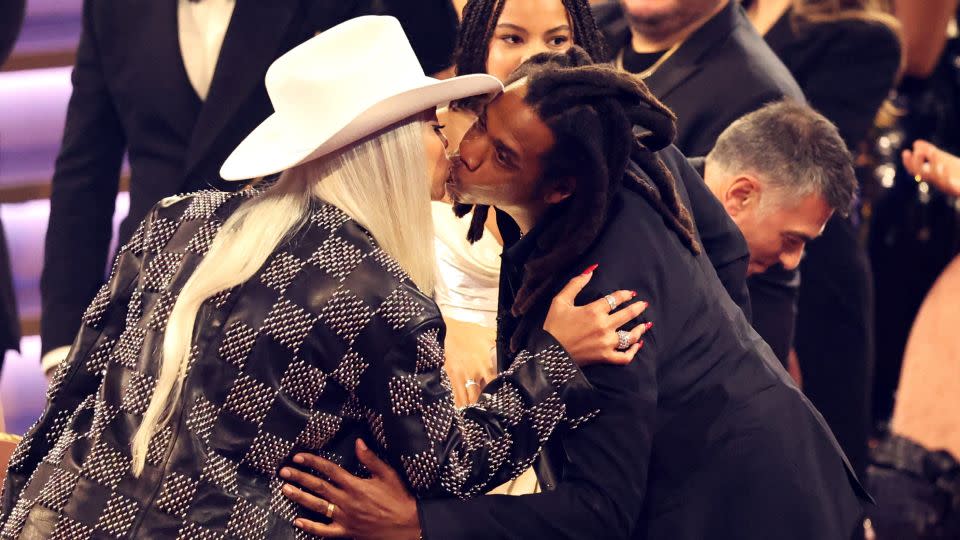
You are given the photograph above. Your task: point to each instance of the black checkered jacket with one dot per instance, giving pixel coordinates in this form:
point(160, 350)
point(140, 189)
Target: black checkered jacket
point(328, 342)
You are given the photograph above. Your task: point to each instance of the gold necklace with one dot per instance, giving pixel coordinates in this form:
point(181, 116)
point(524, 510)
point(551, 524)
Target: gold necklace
point(650, 70)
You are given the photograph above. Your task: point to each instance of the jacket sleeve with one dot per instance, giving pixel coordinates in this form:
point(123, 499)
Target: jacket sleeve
point(445, 451)
point(80, 375)
point(83, 195)
point(604, 477)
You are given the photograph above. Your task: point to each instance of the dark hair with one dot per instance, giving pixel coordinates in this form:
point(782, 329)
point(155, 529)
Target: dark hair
point(480, 17)
point(601, 119)
point(793, 149)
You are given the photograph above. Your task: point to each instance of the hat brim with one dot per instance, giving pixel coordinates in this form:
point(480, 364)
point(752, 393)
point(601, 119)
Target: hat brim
point(275, 146)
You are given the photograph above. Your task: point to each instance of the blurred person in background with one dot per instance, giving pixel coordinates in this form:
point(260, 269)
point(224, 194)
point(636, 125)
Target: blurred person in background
point(915, 473)
point(705, 60)
point(11, 20)
point(174, 86)
point(845, 54)
point(914, 226)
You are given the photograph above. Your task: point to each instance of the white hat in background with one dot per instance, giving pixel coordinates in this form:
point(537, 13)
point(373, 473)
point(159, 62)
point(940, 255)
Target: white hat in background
point(347, 83)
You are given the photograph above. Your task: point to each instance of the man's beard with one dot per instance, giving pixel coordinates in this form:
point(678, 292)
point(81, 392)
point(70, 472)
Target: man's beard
point(661, 25)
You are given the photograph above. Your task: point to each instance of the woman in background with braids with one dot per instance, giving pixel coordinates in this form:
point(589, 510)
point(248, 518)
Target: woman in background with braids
point(703, 435)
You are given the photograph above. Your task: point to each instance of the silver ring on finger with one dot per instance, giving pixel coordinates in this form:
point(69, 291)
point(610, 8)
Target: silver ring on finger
point(611, 301)
point(471, 382)
point(623, 340)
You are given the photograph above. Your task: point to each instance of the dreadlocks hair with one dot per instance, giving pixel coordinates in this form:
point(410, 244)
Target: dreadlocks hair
point(602, 119)
point(480, 17)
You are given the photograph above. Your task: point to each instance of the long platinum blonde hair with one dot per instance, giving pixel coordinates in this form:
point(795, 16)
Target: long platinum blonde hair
point(379, 182)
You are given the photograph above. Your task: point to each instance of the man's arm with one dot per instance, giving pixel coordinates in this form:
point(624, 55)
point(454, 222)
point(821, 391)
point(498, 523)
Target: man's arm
point(83, 194)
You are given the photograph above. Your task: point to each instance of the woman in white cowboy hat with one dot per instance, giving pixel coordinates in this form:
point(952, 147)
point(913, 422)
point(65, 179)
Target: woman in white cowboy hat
point(239, 329)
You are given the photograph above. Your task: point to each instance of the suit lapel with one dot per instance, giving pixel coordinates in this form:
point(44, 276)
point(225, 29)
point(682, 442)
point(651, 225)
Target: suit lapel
point(690, 57)
point(252, 43)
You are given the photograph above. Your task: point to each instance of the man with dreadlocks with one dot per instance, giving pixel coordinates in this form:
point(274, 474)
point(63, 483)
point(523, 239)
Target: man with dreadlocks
point(704, 435)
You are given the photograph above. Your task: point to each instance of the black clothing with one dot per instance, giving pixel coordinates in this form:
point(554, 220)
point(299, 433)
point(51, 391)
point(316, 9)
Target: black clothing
point(703, 435)
point(721, 72)
point(846, 68)
point(131, 94)
point(636, 62)
point(328, 342)
point(11, 20)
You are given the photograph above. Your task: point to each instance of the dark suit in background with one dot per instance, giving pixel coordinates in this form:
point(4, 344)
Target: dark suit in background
point(703, 435)
point(11, 19)
point(131, 94)
point(723, 71)
point(846, 68)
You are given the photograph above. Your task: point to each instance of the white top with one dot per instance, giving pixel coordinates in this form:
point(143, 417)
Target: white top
point(469, 274)
point(202, 27)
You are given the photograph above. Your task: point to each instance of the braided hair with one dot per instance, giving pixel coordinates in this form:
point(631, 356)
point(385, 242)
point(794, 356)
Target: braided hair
point(602, 119)
point(480, 17)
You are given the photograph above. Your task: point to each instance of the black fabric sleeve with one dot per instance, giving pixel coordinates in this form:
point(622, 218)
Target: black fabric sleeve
point(83, 194)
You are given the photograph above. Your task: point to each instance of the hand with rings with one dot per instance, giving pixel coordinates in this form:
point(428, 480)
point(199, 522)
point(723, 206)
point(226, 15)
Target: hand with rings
point(594, 333)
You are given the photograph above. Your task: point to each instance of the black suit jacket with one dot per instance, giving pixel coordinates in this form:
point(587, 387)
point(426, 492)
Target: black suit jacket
point(723, 71)
point(131, 95)
point(703, 435)
point(11, 19)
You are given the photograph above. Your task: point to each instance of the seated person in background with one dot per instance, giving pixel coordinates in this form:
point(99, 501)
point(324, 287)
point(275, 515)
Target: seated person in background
point(703, 435)
point(780, 172)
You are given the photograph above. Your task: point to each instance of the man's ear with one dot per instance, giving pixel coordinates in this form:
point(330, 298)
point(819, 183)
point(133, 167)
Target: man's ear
point(742, 194)
point(560, 190)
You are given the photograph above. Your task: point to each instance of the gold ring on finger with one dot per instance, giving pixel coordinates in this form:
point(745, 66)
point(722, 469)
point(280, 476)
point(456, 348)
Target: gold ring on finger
point(330, 509)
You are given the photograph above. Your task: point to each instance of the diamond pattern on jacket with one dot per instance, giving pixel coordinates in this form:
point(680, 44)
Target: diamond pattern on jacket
point(204, 203)
point(389, 264)
point(137, 394)
point(429, 352)
point(250, 399)
point(57, 490)
point(201, 418)
point(237, 342)
point(336, 257)
point(399, 308)
point(350, 370)
point(17, 518)
point(192, 531)
point(267, 452)
point(134, 307)
point(406, 398)
point(69, 529)
point(203, 238)
point(159, 272)
point(97, 361)
point(320, 428)
point(160, 313)
point(421, 469)
point(546, 415)
point(280, 505)
point(118, 516)
point(281, 271)
point(329, 217)
point(220, 471)
point(303, 382)
point(127, 351)
point(437, 418)
point(93, 315)
point(346, 315)
point(157, 448)
point(105, 465)
point(248, 521)
point(176, 494)
point(288, 324)
point(159, 233)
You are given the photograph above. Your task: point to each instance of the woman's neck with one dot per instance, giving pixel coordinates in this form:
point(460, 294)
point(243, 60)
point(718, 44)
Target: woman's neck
point(765, 13)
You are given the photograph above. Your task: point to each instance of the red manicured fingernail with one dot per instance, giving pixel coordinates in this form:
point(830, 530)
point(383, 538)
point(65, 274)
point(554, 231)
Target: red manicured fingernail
point(298, 458)
point(633, 294)
point(641, 345)
point(590, 270)
point(649, 325)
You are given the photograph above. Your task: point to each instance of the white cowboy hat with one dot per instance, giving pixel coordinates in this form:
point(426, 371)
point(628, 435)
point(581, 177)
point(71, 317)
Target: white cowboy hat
point(339, 87)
